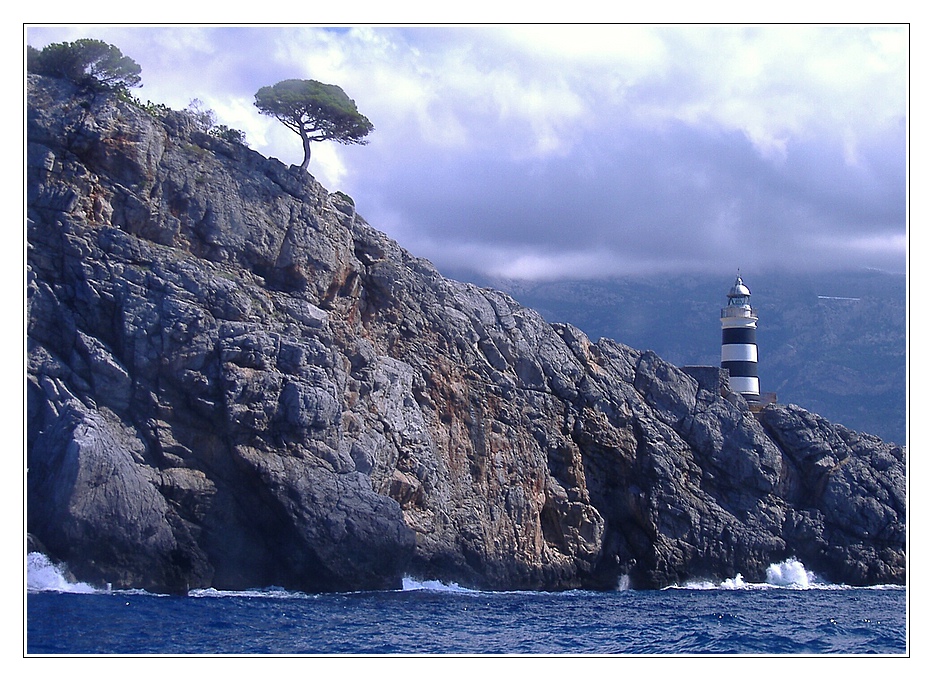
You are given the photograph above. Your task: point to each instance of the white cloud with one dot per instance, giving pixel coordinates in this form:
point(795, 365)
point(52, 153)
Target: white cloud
point(778, 83)
point(638, 48)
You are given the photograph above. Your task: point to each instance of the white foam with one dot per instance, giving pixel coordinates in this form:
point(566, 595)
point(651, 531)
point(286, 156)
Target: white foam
point(734, 584)
point(43, 575)
point(789, 574)
point(271, 592)
point(410, 584)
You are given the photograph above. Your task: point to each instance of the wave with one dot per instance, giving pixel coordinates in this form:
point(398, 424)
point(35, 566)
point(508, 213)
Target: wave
point(410, 584)
point(791, 574)
point(43, 575)
point(270, 592)
point(788, 574)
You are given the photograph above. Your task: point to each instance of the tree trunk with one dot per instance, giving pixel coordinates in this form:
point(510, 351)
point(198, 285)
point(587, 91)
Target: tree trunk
point(306, 142)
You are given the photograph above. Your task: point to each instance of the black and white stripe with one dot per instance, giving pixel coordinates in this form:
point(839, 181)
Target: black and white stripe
point(739, 346)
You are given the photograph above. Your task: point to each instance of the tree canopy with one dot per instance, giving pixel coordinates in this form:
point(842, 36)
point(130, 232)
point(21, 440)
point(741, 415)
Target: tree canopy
point(315, 111)
point(89, 62)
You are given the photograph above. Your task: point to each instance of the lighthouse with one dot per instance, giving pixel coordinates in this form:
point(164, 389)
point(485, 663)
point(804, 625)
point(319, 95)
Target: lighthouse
point(739, 347)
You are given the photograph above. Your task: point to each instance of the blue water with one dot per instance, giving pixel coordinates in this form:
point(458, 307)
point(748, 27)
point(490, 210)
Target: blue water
point(791, 615)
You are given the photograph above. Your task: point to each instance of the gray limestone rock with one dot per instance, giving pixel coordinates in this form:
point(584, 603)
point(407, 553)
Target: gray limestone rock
point(234, 381)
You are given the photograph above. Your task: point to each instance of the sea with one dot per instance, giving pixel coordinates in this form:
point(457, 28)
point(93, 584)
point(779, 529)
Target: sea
point(793, 613)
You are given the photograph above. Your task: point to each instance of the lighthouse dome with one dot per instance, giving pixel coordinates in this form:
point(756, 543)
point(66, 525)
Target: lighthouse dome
point(739, 289)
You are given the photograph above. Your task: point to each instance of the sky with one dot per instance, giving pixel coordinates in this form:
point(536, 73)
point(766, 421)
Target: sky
point(580, 151)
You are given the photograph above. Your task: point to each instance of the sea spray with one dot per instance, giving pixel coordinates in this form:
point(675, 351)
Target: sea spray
point(736, 583)
point(410, 584)
point(271, 592)
point(790, 573)
point(43, 575)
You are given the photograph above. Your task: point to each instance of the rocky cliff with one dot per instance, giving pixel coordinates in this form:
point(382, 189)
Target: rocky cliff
point(234, 381)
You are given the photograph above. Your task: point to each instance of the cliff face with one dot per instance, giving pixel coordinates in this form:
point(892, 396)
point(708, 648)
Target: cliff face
point(234, 381)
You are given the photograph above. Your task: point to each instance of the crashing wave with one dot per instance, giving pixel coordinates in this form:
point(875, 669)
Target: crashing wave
point(270, 592)
point(43, 575)
point(410, 584)
point(789, 573)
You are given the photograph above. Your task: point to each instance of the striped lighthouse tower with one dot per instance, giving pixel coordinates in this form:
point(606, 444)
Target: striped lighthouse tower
point(739, 348)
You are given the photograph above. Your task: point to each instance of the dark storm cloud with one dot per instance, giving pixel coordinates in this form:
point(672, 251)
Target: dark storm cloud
point(684, 199)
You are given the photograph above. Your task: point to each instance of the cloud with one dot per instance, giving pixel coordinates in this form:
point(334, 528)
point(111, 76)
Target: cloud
point(582, 150)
